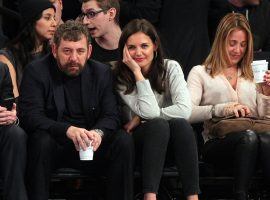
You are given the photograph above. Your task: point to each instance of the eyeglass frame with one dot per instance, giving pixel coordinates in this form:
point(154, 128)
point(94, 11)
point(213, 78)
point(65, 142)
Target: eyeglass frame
point(82, 15)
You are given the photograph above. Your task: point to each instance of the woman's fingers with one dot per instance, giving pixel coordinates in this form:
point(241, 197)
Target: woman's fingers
point(241, 111)
point(236, 112)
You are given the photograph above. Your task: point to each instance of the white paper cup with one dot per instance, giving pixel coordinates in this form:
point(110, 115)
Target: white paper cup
point(259, 67)
point(87, 154)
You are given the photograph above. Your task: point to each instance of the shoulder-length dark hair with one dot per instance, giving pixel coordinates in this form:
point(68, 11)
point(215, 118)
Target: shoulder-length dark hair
point(23, 46)
point(157, 72)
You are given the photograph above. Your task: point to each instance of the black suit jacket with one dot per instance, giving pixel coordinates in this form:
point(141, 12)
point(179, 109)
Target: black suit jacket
point(6, 88)
point(42, 102)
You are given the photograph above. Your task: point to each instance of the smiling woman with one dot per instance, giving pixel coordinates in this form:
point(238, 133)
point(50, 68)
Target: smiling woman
point(156, 107)
point(37, 28)
point(223, 87)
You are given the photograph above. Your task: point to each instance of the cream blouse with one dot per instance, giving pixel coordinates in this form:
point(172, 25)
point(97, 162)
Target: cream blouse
point(207, 92)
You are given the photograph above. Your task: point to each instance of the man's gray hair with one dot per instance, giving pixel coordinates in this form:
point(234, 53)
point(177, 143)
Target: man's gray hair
point(71, 31)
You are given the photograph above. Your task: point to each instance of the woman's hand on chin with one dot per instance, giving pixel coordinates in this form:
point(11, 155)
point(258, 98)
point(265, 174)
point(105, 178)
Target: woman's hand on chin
point(130, 62)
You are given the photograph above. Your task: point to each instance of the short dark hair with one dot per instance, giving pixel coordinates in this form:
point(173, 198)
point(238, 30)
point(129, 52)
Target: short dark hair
point(107, 4)
point(71, 31)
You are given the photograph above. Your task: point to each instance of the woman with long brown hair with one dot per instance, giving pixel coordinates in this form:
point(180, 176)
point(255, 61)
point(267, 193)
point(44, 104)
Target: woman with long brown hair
point(37, 28)
point(157, 106)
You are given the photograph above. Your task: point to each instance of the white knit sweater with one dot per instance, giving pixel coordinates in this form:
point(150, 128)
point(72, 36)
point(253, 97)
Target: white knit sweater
point(173, 103)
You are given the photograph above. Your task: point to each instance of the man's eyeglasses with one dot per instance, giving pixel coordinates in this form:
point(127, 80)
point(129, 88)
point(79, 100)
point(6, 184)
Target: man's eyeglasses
point(92, 13)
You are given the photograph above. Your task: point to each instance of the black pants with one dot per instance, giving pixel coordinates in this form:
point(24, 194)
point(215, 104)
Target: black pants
point(114, 158)
point(13, 161)
point(237, 152)
point(153, 138)
point(264, 156)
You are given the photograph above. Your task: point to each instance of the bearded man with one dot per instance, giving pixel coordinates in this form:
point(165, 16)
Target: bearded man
point(66, 104)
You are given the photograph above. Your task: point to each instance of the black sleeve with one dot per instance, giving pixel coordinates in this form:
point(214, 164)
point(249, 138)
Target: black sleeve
point(108, 120)
point(147, 9)
point(33, 101)
point(6, 87)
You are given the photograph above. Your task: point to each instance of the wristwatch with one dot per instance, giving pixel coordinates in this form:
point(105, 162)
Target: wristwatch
point(100, 132)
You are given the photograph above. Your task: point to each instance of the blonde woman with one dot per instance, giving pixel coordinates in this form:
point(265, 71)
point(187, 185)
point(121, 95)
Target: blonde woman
point(223, 86)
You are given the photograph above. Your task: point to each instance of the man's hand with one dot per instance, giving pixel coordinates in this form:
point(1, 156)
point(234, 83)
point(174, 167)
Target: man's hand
point(79, 137)
point(83, 138)
point(95, 138)
point(8, 117)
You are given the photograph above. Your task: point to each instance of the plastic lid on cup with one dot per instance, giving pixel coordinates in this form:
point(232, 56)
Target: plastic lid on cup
point(258, 62)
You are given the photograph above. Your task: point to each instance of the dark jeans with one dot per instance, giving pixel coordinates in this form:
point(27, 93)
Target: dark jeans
point(114, 159)
point(236, 152)
point(153, 138)
point(13, 161)
point(264, 156)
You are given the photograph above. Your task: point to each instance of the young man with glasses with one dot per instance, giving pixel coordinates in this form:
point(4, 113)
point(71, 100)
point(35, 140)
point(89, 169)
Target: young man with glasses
point(102, 20)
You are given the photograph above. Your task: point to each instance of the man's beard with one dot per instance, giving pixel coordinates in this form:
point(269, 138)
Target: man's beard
point(65, 68)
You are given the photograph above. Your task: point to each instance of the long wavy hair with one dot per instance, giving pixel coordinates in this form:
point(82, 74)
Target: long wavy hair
point(157, 72)
point(218, 59)
point(25, 43)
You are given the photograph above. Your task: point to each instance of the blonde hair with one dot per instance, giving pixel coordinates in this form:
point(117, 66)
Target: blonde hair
point(218, 58)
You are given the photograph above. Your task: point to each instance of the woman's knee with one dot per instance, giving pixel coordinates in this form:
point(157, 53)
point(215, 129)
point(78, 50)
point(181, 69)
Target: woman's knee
point(16, 135)
point(158, 122)
point(180, 124)
point(249, 138)
point(264, 138)
point(181, 128)
point(158, 127)
point(264, 147)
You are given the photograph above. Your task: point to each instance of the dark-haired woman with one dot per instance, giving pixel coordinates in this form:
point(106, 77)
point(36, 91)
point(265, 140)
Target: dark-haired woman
point(157, 106)
point(38, 27)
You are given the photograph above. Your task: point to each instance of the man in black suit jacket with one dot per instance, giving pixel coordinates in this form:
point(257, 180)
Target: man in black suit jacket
point(67, 100)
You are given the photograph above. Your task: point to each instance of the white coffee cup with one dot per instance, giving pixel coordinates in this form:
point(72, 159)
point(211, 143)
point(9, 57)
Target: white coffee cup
point(87, 154)
point(259, 67)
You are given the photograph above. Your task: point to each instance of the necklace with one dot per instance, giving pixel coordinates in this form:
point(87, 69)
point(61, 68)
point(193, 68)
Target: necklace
point(230, 77)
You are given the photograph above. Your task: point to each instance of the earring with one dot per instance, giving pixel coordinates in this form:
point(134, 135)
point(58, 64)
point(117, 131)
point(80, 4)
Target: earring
point(155, 54)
